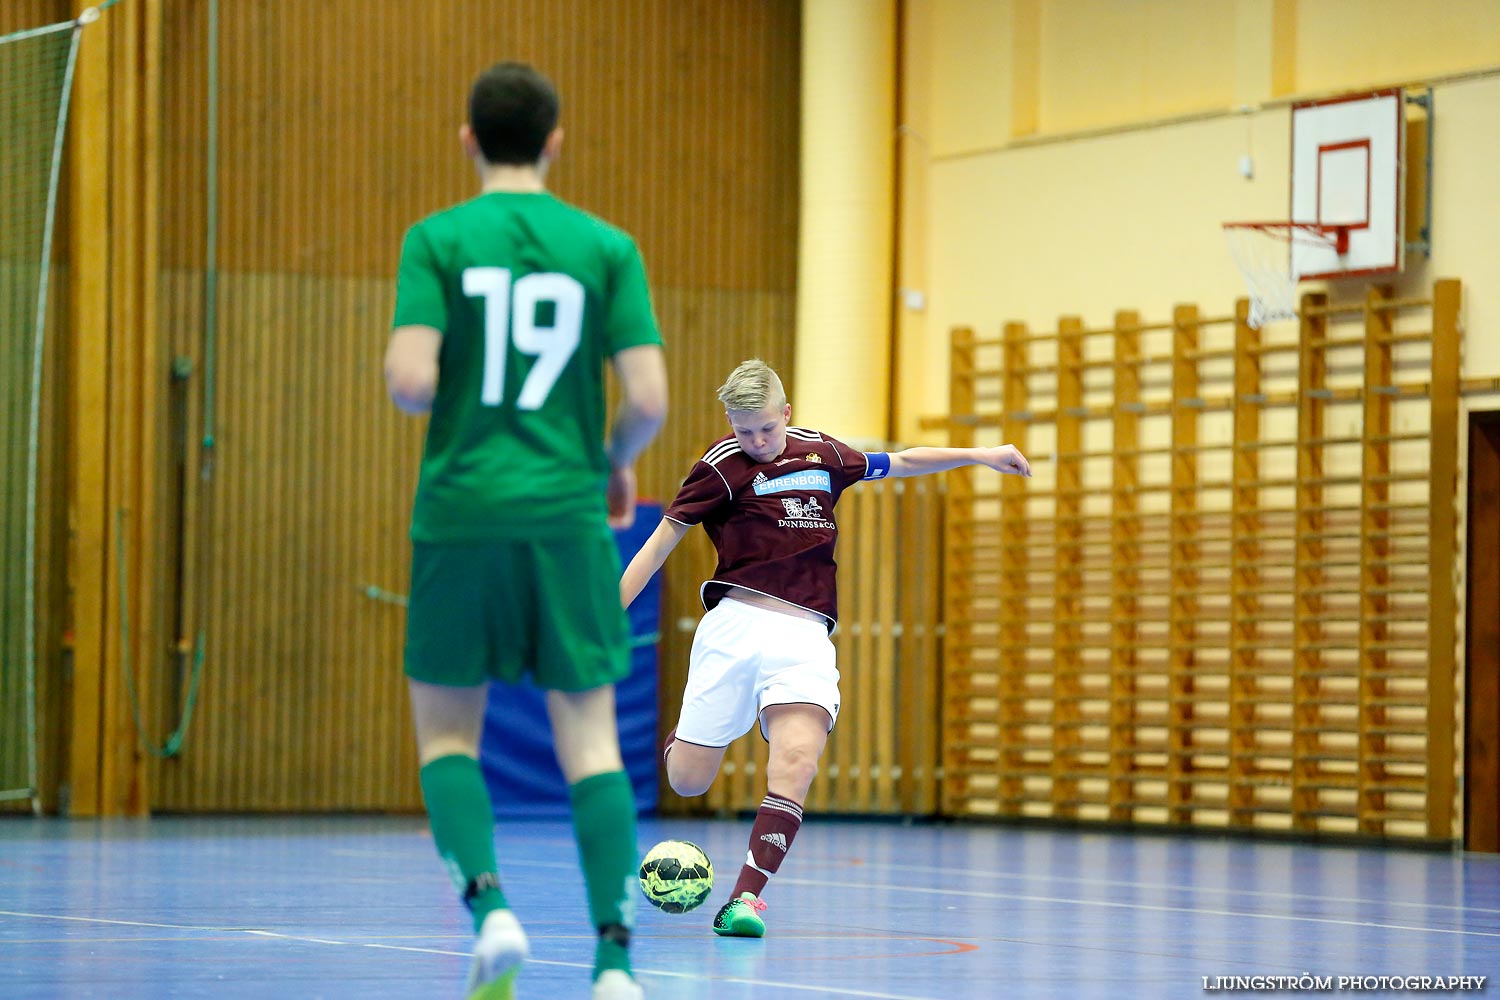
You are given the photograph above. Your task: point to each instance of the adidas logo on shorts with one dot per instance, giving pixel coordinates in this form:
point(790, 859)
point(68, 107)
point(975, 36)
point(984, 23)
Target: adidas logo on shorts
point(776, 840)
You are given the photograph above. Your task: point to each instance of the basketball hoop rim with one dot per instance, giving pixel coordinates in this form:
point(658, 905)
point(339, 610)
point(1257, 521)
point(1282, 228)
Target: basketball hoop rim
point(1334, 236)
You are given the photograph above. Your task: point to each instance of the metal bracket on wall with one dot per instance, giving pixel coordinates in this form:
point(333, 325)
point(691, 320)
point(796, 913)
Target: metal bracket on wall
point(1423, 243)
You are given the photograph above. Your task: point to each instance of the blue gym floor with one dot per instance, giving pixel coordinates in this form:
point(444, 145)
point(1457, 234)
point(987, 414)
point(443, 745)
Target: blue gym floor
point(356, 907)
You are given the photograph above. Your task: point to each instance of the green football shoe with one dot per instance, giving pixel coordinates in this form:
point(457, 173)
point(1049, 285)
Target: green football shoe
point(741, 917)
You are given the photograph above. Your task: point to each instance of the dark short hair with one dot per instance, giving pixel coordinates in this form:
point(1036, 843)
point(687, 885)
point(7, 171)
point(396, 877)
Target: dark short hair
point(512, 110)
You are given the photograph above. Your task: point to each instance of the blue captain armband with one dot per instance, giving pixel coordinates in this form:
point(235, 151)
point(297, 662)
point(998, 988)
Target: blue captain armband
point(877, 465)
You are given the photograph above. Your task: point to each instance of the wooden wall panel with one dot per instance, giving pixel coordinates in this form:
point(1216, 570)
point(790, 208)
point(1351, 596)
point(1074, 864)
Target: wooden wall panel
point(23, 15)
point(681, 124)
point(106, 406)
point(309, 487)
point(340, 118)
point(88, 162)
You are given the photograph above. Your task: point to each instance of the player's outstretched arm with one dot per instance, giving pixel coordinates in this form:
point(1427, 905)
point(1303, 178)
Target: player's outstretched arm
point(649, 559)
point(924, 461)
point(411, 367)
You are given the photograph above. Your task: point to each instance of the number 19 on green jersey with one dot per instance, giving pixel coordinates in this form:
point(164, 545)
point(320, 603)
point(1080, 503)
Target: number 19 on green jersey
point(510, 312)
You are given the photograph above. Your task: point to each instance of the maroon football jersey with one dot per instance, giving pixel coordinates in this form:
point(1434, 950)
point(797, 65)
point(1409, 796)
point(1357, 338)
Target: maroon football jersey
point(772, 524)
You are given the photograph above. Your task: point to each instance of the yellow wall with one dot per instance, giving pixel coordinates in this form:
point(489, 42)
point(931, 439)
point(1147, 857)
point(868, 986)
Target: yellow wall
point(1016, 224)
point(1091, 226)
point(965, 46)
point(1092, 172)
point(1104, 61)
point(844, 246)
point(1351, 44)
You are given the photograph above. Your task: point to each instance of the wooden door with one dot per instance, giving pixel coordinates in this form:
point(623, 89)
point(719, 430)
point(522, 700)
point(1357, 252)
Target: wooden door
point(1482, 690)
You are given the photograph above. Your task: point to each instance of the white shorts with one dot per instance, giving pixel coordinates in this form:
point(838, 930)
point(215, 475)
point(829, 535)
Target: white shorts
point(746, 659)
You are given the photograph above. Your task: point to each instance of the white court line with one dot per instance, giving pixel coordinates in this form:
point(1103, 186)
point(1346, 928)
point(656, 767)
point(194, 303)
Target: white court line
point(123, 923)
point(1109, 904)
point(842, 991)
point(969, 873)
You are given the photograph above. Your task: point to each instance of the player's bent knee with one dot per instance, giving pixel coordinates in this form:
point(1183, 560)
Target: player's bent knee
point(688, 791)
point(691, 768)
point(688, 785)
point(689, 778)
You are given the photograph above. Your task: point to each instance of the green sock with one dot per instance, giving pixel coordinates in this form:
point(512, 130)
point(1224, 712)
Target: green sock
point(463, 827)
point(604, 825)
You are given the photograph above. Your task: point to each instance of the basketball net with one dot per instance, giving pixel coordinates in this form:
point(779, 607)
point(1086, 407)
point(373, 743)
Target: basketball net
point(1263, 253)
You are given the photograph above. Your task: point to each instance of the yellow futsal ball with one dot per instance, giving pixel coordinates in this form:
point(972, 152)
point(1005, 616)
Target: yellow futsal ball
point(676, 876)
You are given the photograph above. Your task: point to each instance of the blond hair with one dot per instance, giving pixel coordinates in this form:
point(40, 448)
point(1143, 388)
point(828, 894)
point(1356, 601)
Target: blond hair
point(753, 385)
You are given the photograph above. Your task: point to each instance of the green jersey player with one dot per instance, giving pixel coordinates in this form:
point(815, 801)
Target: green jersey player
point(507, 308)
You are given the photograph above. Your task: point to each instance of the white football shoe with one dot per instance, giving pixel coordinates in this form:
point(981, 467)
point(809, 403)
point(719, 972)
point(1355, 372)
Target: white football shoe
point(498, 954)
point(616, 984)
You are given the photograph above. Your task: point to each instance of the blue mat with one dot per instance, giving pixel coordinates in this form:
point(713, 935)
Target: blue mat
point(516, 751)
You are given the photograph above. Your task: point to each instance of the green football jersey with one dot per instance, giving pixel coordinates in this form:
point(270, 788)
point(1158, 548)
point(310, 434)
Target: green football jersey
point(532, 296)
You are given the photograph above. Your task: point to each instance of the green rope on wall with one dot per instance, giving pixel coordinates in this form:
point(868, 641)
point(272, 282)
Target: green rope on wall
point(173, 745)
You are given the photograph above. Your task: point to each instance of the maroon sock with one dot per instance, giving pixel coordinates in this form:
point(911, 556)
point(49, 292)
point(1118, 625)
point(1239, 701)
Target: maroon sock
point(776, 823)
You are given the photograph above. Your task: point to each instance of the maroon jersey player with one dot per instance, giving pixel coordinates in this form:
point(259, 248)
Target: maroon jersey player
point(766, 495)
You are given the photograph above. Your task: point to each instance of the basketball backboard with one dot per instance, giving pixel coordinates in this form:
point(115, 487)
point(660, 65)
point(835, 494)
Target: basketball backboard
point(1348, 180)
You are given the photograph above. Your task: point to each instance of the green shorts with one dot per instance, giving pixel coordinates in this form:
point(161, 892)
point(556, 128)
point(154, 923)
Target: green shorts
point(502, 610)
